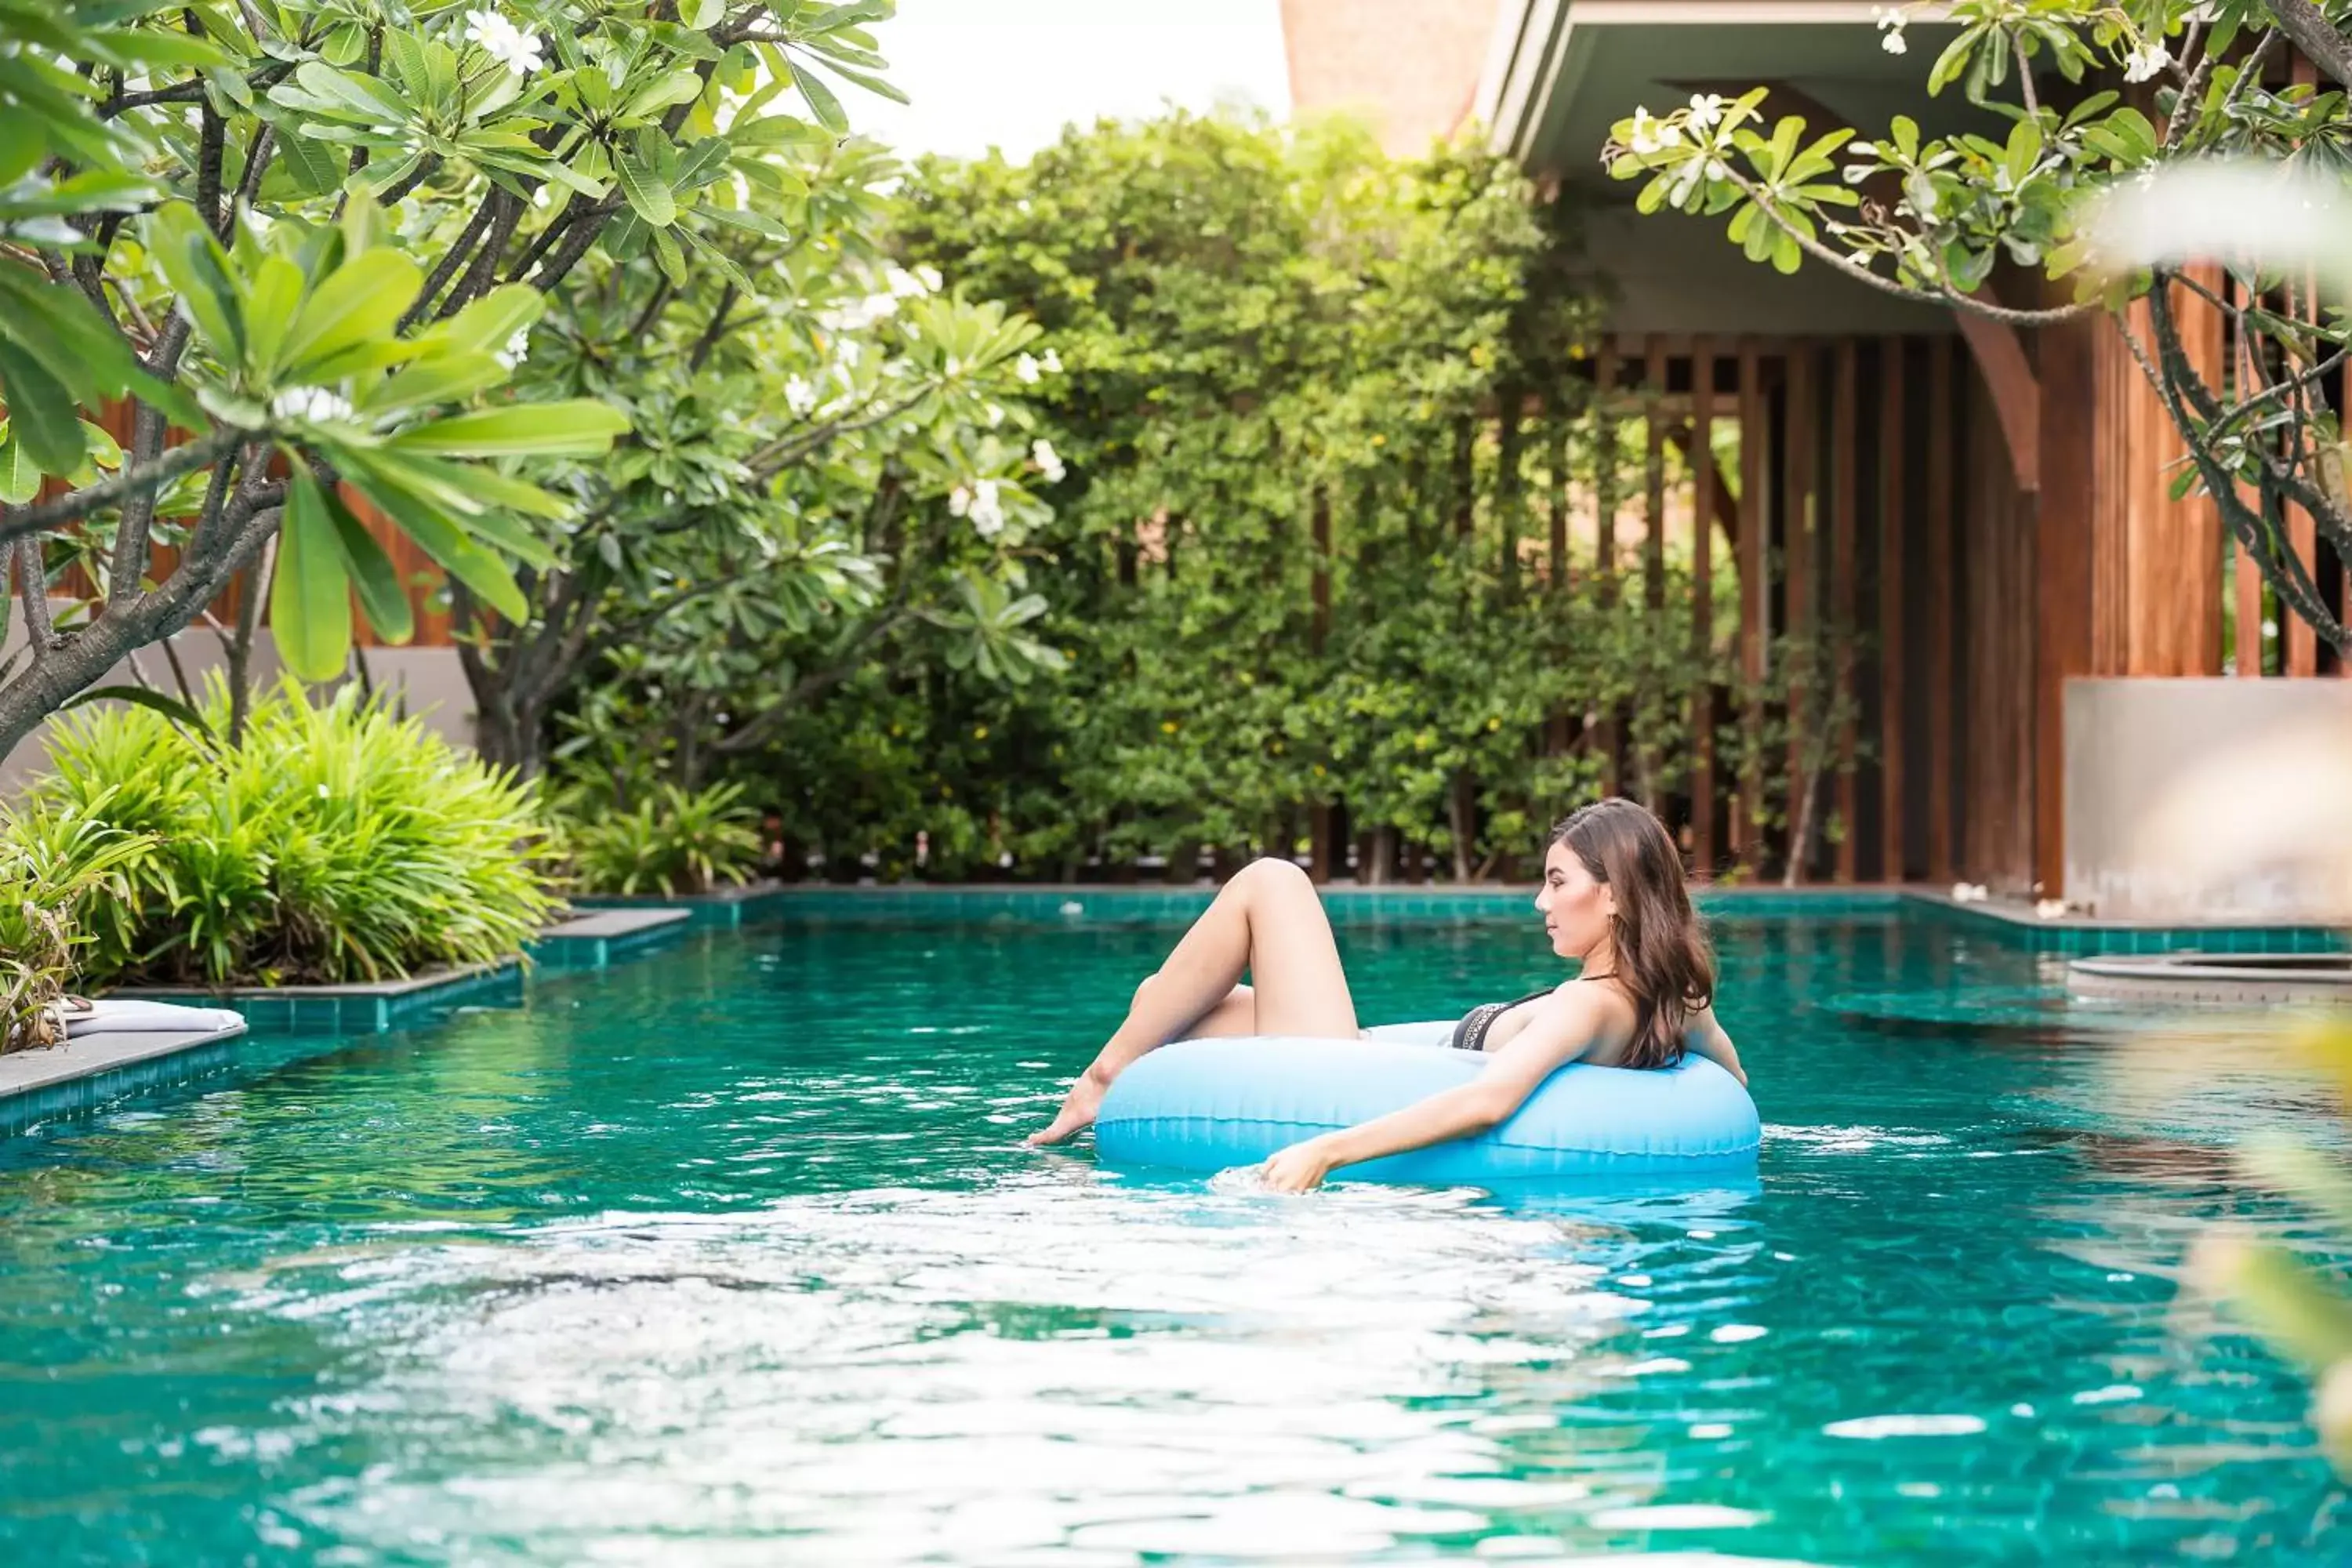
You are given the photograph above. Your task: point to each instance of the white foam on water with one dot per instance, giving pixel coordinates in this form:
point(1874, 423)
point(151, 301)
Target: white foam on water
point(1871, 1427)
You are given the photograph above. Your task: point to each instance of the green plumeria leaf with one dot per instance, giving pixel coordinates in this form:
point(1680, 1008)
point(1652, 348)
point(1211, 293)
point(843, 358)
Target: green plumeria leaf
point(310, 590)
point(372, 573)
point(575, 427)
point(41, 417)
point(360, 300)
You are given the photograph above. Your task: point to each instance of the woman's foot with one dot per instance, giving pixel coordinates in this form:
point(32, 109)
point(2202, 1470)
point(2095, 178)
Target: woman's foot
point(1077, 1113)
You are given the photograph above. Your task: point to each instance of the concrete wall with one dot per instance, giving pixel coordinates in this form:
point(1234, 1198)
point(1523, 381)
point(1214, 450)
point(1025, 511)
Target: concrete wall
point(430, 681)
point(2132, 743)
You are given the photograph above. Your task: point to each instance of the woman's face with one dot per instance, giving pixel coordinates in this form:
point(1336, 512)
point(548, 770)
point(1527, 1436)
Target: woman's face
point(1575, 908)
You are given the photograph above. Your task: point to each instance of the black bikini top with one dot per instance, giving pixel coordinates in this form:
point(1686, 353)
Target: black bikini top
point(1470, 1034)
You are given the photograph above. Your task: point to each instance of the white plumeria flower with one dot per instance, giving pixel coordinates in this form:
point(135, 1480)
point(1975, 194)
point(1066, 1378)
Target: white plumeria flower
point(504, 42)
point(959, 501)
point(1644, 139)
point(987, 511)
point(931, 280)
point(880, 307)
point(1051, 362)
point(1706, 109)
point(312, 403)
point(517, 348)
point(1025, 368)
point(850, 354)
point(995, 416)
point(1048, 461)
point(905, 284)
point(2143, 63)
point(1890, 22)
point(800, 395)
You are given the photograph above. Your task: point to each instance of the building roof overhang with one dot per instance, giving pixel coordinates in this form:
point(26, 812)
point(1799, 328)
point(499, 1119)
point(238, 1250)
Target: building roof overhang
point(1559, 73)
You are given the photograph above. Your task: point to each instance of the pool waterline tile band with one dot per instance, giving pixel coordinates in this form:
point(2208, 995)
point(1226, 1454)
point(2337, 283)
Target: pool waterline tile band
point(363, 1010)
point(1132, 904)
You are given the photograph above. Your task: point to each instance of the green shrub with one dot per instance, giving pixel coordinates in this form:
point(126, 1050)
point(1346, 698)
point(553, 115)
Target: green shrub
point(51, 861)
point(672, 841)
point(337, 843)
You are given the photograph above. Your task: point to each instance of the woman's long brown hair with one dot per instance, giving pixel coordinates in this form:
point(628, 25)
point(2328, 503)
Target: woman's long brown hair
point(1663, 960)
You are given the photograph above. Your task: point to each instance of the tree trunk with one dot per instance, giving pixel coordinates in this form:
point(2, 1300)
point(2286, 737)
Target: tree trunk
point(240, 646)
point(504, 736)
point(1801, 829)
point(1461, 819)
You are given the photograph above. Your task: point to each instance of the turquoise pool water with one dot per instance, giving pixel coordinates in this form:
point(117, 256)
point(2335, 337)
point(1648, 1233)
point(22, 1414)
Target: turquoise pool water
point(731, 1256)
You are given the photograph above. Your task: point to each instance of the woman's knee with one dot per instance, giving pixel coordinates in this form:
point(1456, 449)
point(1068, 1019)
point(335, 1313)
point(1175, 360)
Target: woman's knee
point(1274, 870)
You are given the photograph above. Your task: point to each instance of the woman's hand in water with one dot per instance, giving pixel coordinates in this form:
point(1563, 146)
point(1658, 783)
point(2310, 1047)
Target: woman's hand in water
point(1077, 1113)
point(1298, 1169)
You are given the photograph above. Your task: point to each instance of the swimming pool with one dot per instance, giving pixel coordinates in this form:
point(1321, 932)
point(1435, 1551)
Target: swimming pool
point(731, 1256)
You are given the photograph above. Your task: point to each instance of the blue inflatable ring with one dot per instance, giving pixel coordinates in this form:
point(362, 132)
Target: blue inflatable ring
point(1210, 1105)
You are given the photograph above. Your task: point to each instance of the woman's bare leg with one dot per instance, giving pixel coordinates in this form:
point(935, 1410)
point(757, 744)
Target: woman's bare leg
point(1266, 922)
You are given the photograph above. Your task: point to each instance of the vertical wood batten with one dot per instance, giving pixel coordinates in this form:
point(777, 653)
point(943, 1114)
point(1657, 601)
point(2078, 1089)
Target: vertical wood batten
point(2245, 577)
point(1942, 583)
point(1797, 531)
point(1702, 465)
point(1654, 543)
point(1893, 807)
point(1841, 612)
point(2298, 641)
point(1752, 590)
point(1604, 469)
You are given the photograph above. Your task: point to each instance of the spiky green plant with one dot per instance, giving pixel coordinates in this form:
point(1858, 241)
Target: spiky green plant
point(51, 860)
point(336, 843)
point(672, 841)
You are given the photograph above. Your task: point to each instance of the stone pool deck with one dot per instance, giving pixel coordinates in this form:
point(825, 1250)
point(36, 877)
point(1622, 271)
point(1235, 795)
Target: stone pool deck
point(101, 1065)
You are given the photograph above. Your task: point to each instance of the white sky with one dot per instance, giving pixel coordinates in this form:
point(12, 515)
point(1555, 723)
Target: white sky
point(1011, 73)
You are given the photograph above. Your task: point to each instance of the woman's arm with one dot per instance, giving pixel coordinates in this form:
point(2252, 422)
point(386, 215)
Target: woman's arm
point(1563, 1029)
point(1707, 1037)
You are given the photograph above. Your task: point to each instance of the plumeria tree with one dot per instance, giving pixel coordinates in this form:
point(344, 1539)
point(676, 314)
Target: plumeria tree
point(1935, 218)
point(303, 245)
point(831, 468)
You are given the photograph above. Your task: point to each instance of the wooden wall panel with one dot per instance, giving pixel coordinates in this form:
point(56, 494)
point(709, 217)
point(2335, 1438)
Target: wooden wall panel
point(1997, 847)
point(1654, 542)
point(2158, 578)
point(1703, 500)
point(1844, 455)
point(1893, 513)
point(1754, 591)
point(1797, 549)
point(2063, 518)
point(1604, 497)
point(1942, 664)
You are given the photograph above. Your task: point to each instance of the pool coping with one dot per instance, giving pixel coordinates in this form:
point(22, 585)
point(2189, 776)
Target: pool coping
point(50, 1080)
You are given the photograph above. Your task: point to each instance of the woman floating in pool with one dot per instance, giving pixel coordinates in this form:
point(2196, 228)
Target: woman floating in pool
point(1612, 896)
